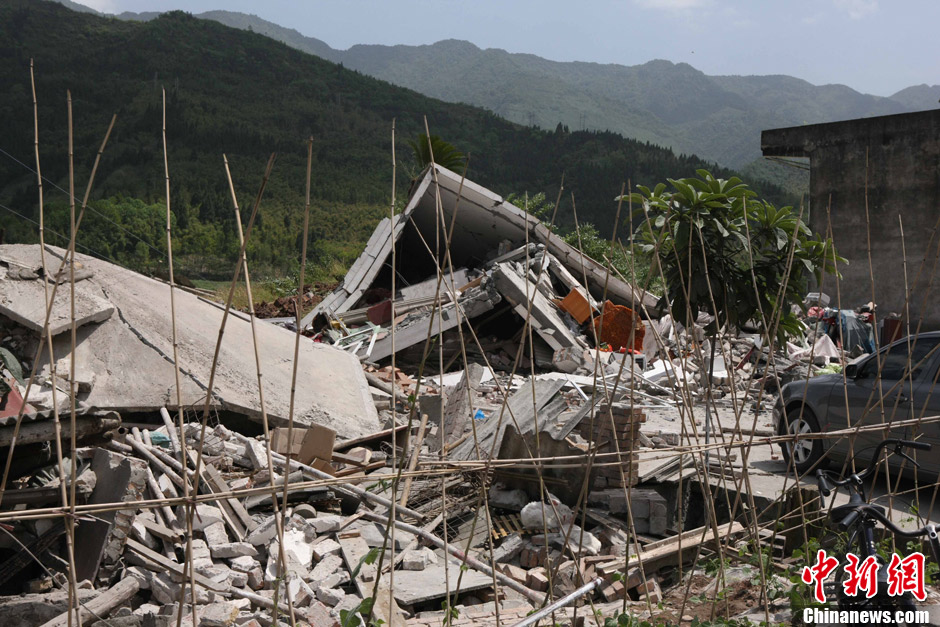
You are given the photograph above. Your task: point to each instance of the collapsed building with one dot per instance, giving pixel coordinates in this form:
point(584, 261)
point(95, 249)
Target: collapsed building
point(484, 473)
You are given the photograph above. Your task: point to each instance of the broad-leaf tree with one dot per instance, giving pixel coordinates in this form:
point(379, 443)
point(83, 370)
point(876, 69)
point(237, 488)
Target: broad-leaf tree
point(727, 253)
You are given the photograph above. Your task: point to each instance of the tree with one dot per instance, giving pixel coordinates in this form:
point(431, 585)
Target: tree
point(726, 253)
point(445, 154)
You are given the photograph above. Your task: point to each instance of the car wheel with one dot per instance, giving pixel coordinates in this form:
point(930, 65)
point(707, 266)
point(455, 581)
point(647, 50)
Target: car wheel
point(804, 452)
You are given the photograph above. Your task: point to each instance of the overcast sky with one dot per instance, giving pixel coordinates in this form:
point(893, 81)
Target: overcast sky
point(874, 46)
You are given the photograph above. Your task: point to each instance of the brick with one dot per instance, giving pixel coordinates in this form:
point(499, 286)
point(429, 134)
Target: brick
point(614, 591)
point(318, 615)
point(650, 591)
point(513, 572)
point(537, 579)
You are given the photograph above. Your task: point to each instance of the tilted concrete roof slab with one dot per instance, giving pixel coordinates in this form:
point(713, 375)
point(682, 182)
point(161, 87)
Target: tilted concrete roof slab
point(130, 354)
point(483, 220)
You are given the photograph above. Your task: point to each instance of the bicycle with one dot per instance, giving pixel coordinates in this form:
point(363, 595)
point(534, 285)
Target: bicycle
point(859, 518)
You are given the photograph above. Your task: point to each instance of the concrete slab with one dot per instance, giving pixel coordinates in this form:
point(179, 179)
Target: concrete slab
point(417, 586)
point(24, 302)
point(130, 354)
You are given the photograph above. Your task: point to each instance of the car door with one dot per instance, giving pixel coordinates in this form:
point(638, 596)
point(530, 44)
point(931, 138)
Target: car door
point(926, 403)
point(880, 394)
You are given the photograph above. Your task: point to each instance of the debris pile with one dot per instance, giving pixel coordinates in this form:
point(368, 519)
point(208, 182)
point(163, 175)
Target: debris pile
point(539, 459)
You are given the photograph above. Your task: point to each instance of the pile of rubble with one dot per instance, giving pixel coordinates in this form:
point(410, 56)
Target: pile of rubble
point(301, 527)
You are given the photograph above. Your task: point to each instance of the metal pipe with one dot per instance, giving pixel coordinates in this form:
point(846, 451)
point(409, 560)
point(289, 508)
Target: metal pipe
point(560, 603)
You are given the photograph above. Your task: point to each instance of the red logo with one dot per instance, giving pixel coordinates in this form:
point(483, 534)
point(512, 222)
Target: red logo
point(861, 577)
point(817, 573)
point(903, 574)
point(907, 575)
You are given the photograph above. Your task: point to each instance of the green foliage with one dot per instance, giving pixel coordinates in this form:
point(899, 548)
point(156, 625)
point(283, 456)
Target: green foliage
point(801, 595)
point(726, 253)
point(590, 241)
point(243, 95)
point(438, 151)
point(451, 613)
point(353, 617)
point(537, 205)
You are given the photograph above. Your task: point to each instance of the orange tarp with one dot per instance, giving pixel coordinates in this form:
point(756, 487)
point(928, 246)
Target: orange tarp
point(618, 324)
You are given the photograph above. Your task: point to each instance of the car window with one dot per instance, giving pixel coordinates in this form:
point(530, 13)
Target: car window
point(894, 360)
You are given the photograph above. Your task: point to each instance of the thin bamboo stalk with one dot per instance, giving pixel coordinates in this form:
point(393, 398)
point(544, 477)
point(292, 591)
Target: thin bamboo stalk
point(278, 511)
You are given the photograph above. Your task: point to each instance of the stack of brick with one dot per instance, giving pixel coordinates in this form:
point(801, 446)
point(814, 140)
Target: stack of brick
point(615, 427)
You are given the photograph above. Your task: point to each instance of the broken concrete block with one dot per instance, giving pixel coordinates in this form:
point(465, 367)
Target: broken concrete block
point(237, 579)
point(332, 581)
point(508, 549)
point(206, 515)
point(166, 591)
point(233, 549)
point(330, 596)
point(327, 546)
point(297, 553)
point(215, 534)
point(327, 566)
point(568, 359)
point(318, 615)
point(263, 533)
point(27, 610)
point(256, 578)
point(349, 602)
point(25, 303)
point(326, 523)
point(414, 560)
point(99, 543)
point(244, 563)
point(222, 614)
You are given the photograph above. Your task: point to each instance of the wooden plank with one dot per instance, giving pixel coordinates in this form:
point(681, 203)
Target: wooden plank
point(206, 487)
point(161, 531)
point(368, 439)
point(101, 605)
point(347, 472)
point(664, 553)
point(164, 563)
point(218, 485)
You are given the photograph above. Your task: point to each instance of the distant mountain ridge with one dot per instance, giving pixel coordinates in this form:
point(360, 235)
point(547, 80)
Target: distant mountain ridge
point(669, 104)
point(243, 95)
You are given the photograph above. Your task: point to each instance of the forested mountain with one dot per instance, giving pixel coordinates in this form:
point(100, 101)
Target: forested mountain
point(669, 104)
point(244, 95)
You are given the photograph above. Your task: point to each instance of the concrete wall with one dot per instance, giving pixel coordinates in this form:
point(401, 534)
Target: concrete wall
point(896, 159)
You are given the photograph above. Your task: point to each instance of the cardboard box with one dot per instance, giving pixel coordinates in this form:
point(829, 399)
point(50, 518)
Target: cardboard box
point(577, 305)
point(310, 443)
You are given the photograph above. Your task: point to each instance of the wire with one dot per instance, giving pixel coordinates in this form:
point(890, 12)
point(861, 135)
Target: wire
point(137, 237)
point(130, 233)
point(48, 230)
point(787, 162)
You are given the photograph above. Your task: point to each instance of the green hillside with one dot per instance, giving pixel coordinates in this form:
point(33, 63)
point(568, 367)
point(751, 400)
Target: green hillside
point(240, 93)
point(673, 105)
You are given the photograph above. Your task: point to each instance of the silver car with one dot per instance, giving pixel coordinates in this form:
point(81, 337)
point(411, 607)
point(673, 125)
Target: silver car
point(894, 384)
